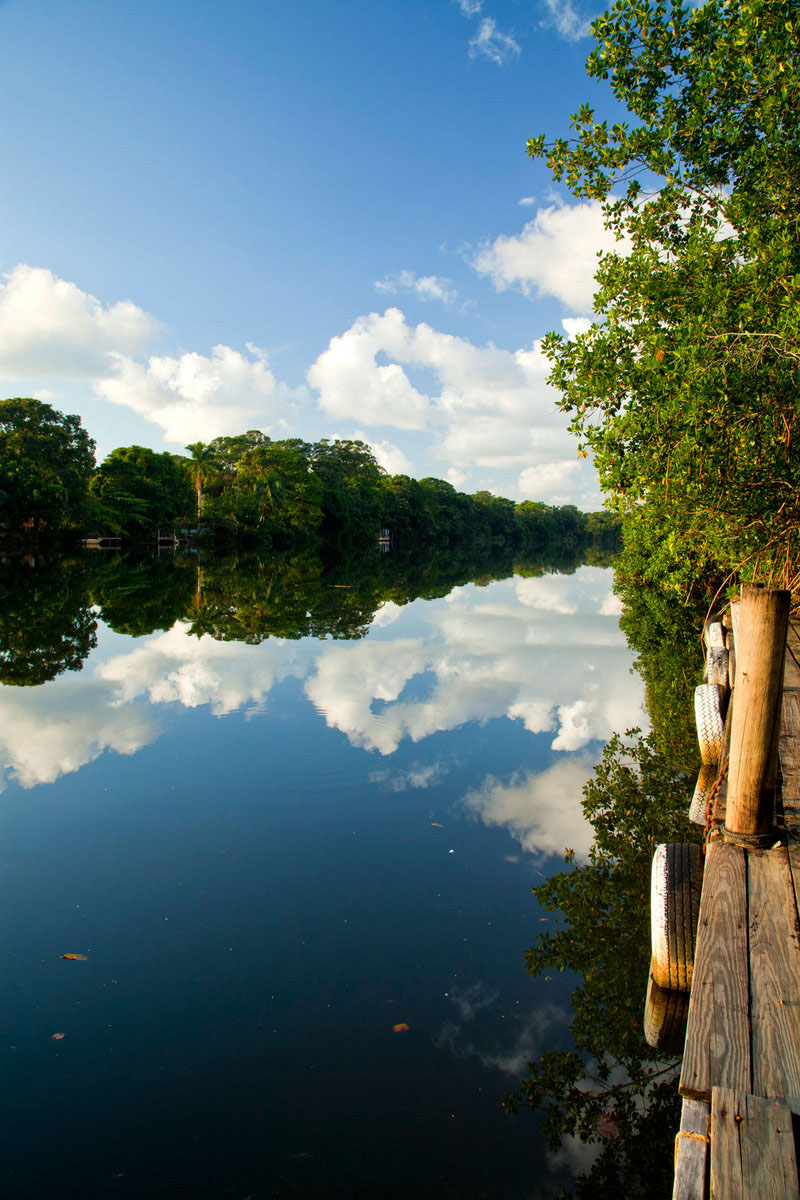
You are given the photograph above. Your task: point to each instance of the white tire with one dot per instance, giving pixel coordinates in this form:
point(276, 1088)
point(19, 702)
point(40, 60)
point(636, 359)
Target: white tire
point(717, 666)
point(675, 885)
point(714, 634)
point(665, 1014)
point(699, 805)
point(709, 699)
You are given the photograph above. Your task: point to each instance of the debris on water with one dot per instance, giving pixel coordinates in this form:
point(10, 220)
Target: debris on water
point(57, 1036)
point(401, 1027)
point(79, 957)
point(451, 851)
point(436, 825)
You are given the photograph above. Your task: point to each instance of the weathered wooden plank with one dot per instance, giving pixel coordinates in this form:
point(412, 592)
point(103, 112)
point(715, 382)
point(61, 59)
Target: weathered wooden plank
point(774, 976)
point(791, 676)
point(789, 755)
point(691, 1152)
point(752, 1148)
point(717, 1052)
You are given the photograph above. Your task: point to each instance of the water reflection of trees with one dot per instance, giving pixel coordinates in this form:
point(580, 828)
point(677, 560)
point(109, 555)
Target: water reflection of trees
point(46, 621)
point(48, 609)
point(609, 1087)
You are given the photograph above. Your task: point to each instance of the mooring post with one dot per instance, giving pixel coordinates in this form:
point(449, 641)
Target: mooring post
point(763, 621)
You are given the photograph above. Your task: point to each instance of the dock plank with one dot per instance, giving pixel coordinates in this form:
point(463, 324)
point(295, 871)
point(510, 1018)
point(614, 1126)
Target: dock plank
point(717, 1052)
point(691, 1152)
point(752, 1148)
point(789, 756)
point(791, 670)
point(774, 976)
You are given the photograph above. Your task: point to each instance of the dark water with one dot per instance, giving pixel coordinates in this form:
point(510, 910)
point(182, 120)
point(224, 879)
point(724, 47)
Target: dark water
point(272, 848)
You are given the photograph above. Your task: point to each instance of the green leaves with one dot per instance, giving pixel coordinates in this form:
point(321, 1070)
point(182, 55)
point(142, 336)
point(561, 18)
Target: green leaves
point(685, 387)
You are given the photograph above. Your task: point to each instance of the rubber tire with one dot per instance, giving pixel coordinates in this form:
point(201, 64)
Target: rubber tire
point(705, 781)
point(714, 634)
point(709, 699)
point(716, 666)
point(675, 884)
point(665, 1014)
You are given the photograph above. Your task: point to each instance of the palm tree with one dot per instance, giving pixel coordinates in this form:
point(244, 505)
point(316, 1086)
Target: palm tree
point(202, 456)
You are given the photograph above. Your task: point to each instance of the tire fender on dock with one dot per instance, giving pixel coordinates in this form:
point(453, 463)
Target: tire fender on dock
point(675, 884)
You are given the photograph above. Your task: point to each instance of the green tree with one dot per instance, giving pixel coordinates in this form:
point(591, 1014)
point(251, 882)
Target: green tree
point(46, 462)
point(135, 490)
point(279, 491)
point(202, 459)
point(685, 386)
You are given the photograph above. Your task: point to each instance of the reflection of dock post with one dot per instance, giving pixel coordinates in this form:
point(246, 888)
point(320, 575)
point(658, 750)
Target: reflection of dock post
point(763, 621)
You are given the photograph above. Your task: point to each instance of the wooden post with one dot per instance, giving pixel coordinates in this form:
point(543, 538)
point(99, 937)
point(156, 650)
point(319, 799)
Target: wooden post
point(763, 620)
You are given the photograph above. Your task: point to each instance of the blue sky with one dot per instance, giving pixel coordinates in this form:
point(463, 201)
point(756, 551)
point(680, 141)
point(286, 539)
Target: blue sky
point(317, 219)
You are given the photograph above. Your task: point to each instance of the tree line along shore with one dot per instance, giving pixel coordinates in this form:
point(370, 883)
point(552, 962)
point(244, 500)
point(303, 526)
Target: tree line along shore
point(249, 489)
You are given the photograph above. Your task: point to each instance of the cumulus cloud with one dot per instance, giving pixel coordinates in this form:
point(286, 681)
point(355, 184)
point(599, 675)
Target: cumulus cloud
point(55, 729)
point(567, 22)
point(198, 397)
point(541, 810)
point(351, 383)
point(48, 326)
point(424, 287)
point(493, 407)
point(555, 255)
point(388, 456)
point(550, 481)
point(470, 8)
point(490, 42)
point(546, 656)
point(526, 1033)
point(548, 653)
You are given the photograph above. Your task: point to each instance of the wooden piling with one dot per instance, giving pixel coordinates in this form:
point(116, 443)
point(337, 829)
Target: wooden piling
point(763, 620)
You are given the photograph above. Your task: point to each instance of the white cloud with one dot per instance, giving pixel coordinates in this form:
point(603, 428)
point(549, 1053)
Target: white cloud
point(555, 255)
point(424, 287)
point(574, 326)
point(50, 327)
point(493, 408)
point(470, 8)
point(548, 657)
point(550, 482)
point(55, 729)
point(527, 201)
point(197, 397)
point(351, 383)
point(541, 810)
point(388, 456)
point(529, 1032)
point(492, 43)
point(548, 653)
point(562, 16)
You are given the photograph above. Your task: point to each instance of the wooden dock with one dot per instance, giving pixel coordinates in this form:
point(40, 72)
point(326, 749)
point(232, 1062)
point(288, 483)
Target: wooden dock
point(740, 1077)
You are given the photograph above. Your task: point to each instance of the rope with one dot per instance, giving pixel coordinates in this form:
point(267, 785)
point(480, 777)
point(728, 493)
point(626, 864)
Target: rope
point(713, 792)
point(752, 841)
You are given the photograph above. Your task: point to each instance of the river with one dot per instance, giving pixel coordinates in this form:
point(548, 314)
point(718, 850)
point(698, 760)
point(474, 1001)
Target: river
point(290, 825)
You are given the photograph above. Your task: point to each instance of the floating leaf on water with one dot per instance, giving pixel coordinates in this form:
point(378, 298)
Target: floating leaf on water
point(400, 1028)
point(57, 1036)
point(79, 957)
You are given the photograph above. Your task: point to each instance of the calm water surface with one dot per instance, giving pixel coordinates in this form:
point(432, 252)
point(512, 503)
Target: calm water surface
point(273, 853)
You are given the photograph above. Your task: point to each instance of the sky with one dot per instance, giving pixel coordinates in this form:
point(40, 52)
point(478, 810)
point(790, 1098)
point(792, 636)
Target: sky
point(313, 218)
